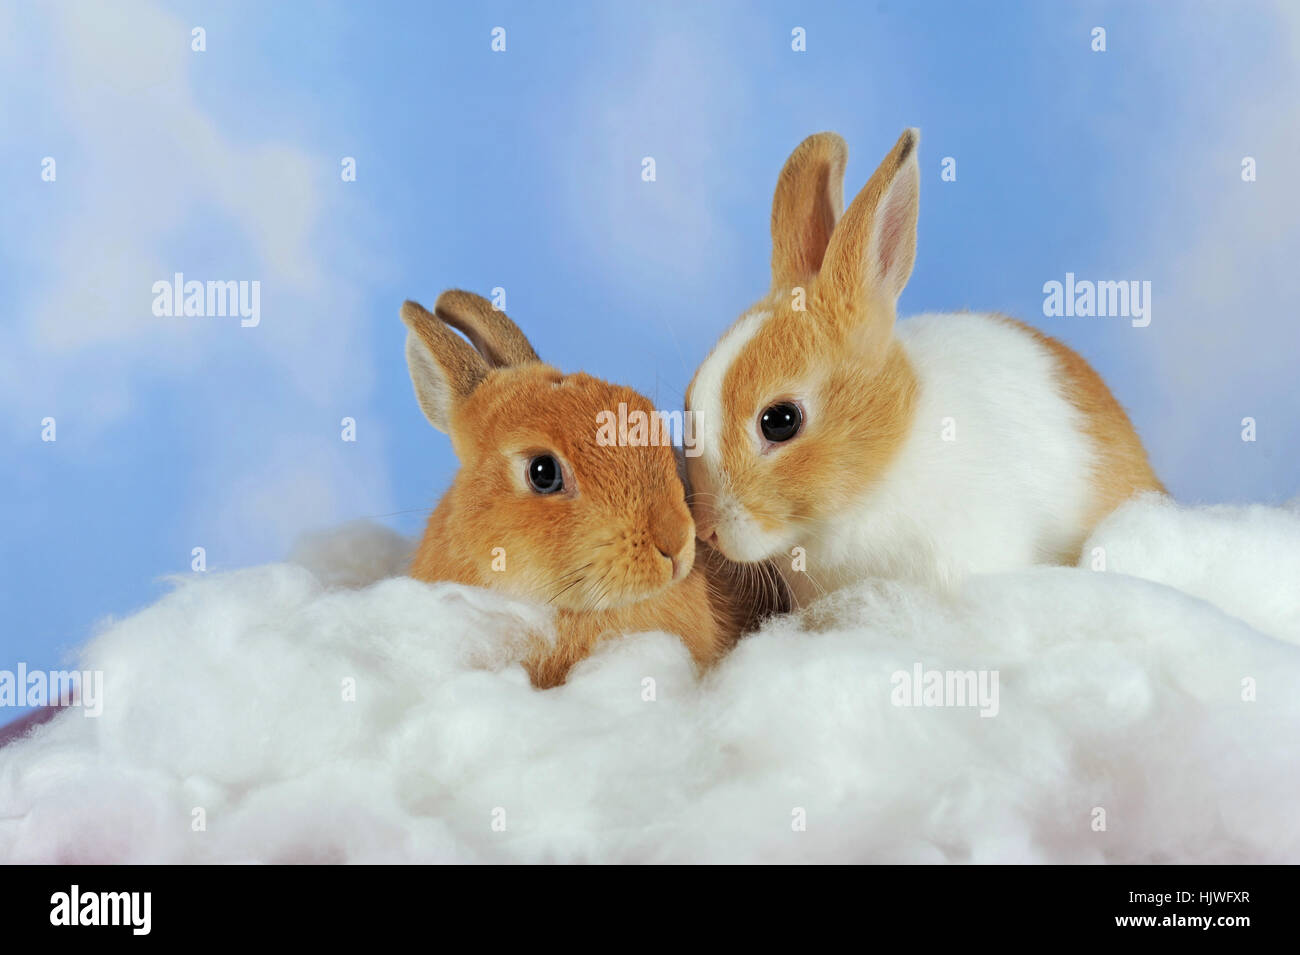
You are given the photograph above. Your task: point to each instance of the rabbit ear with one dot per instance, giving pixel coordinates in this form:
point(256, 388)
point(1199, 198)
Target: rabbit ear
point(444, 369)
point(496, 337)
point(874, 245)
point(808, 201)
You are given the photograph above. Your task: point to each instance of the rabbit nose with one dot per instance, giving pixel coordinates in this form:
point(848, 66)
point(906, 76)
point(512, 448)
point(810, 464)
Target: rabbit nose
point(674, 543)
point(670, 530)
point(671, 557)
point(674, 554)
point(706, 523)
point(681, 562)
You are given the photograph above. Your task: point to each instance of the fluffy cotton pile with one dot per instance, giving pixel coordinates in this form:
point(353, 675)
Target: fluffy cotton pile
point(1124, 698)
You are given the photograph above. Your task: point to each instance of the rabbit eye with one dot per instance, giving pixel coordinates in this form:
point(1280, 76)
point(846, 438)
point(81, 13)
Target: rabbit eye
point(545, 475)
point(780, 422)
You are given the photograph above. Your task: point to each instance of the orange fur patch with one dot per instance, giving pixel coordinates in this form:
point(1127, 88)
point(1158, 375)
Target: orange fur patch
point(863, 400)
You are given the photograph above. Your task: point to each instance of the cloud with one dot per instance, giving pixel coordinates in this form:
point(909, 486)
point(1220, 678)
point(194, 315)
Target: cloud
point(644, 96)
point(1227, 284)
point(145, 161)
point(154, 179)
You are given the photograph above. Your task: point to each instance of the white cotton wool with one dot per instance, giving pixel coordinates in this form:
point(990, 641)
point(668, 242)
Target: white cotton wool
point(324, 711)
point(1245, 559)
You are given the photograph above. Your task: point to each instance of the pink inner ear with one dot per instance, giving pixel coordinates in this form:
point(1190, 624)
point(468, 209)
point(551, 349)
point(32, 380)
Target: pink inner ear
point(891, 245)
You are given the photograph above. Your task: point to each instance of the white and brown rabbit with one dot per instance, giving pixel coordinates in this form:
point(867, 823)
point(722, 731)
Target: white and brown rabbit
point(543, 510)
point(928, 449)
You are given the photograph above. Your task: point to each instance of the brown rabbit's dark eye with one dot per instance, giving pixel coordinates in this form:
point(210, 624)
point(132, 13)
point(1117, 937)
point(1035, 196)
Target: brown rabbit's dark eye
point(545, 475)
point(780, 422)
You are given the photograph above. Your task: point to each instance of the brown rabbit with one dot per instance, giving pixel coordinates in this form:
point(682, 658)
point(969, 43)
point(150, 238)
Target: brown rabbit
point(542, 509)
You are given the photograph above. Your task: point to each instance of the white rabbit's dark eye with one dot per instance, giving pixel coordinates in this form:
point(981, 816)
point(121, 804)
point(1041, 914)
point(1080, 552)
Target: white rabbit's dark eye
point(545, 475)
point(780, 422)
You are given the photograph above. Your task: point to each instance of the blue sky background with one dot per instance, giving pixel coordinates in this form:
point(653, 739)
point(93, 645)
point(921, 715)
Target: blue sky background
point(522, 170)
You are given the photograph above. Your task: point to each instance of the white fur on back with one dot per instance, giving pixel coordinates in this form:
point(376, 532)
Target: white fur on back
point(1010, 490)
